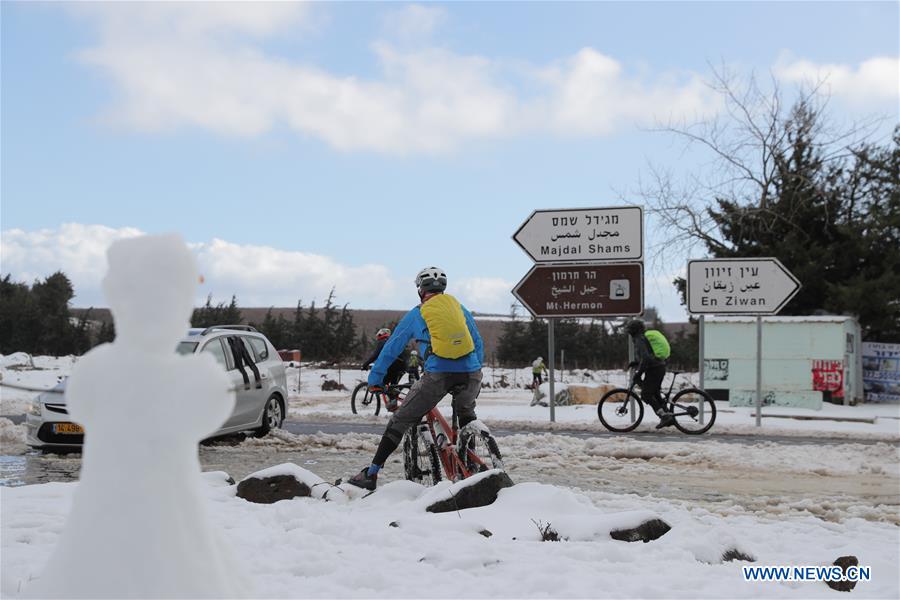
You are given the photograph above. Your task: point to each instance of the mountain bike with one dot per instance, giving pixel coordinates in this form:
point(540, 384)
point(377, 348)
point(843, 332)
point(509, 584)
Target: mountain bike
point(363, 402)
point(435, 448)
point(621, 410)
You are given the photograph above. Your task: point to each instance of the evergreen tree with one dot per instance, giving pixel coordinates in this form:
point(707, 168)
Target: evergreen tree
point(51, 299)
point(220, 314)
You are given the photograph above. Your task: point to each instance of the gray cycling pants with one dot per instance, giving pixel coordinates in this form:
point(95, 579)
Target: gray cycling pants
point(425, 395)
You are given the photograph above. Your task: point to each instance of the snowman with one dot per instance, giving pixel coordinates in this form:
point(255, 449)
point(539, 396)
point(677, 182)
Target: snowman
point(139, 525)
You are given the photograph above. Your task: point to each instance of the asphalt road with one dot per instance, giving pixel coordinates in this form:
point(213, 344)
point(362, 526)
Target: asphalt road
point(305, 427)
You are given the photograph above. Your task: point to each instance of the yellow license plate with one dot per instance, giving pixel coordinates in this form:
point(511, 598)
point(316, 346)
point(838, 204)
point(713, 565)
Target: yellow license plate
point(67, 428)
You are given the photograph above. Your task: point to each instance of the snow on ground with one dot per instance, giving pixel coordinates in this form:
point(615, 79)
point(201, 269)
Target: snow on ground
point(797, 504)
point(311, 548)
point(21, 375)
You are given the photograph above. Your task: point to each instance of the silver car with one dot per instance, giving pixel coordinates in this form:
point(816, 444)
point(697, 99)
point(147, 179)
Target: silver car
point(254, 366)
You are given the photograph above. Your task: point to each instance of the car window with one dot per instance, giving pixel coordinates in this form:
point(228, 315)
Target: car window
point(186, 347)
point(262, 350)
point(247, 345)
point(214, 347)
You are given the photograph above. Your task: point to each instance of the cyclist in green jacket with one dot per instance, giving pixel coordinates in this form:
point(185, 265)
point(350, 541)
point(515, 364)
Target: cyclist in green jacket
point(651, 350)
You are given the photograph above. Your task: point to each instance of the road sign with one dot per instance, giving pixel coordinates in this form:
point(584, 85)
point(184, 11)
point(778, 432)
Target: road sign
point(583, 234)
point(737, 286)
point(586, 290)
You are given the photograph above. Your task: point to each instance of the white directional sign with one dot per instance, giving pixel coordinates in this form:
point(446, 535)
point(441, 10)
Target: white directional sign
point(583, 234)
point(734, 286)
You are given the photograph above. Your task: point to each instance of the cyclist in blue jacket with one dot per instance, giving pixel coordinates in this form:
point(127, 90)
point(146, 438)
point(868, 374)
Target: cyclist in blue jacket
point(459, 376)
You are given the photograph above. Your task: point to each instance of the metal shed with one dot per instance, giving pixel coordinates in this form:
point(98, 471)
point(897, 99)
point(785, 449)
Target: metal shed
point(805, 360)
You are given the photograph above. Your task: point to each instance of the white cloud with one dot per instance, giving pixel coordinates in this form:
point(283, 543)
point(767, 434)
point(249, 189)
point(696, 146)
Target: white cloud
point(484, 294)
point(77, 250)
point(266, 276)
point(592, 94)
point(257, 275)
point(871, 82)
point(195, 65)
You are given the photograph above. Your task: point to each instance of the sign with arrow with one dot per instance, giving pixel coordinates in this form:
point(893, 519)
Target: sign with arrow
point(583, 234)
point(739, 286)
point(588, 290)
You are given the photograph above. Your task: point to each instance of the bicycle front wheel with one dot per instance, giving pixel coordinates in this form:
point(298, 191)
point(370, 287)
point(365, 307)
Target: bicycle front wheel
point(478, 451)
point(363, 402)
point(620, 410)
point(420, 458)
point(694, 411)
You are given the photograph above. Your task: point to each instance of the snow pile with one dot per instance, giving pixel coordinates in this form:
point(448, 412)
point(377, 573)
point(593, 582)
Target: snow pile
point(386, 546)
point(12, 437)
point(17, 359)
point(139, 523)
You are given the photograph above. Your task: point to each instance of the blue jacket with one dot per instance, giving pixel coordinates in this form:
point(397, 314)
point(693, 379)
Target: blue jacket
point(412, 326)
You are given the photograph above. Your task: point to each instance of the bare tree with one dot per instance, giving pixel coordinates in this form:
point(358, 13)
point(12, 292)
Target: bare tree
point(741, 145)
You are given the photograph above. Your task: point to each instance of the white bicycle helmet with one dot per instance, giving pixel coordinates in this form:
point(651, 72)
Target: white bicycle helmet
point(431, 279)
point(383, 334)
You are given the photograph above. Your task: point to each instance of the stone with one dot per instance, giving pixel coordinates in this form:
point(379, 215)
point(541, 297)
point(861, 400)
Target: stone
point(268, 490)
point(330, 385)
point(481, 493)
point(645, 532)
point(843, 562)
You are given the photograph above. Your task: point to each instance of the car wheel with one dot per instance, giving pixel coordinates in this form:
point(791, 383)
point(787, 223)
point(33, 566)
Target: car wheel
point(273, 416)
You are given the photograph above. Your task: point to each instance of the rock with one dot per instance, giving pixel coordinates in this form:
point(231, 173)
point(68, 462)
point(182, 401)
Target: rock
point(843, 562)
point(267, 490)
point(330, 385)
point(645, 532)
point(486, 533)
point(734, 554)
point(471, 495)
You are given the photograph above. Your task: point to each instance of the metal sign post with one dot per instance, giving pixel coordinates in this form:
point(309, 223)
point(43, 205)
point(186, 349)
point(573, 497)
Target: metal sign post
point(551, 342)
point(702, 365)
point(758, 370)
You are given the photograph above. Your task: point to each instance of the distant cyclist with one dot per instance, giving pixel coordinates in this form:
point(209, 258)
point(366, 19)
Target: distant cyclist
point(538, 368)
point(412, 366)
point(453, 351)
point(651, 351)
point(395, 370)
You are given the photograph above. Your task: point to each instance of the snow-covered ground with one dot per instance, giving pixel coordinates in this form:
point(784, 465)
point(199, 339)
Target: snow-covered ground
point(801, 503)
point(310, 548)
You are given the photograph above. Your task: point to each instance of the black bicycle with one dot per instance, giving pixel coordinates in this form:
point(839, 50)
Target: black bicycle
point(364, 402)
point(621, 409)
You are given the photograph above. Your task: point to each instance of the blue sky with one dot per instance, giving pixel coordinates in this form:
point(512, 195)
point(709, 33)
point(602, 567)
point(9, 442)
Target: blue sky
point(304, 146)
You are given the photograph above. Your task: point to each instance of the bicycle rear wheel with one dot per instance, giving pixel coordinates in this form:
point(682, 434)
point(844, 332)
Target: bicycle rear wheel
point(694, 411)
point(478, 450)
point(363, 402)
point(620, 410)
point(420, 457)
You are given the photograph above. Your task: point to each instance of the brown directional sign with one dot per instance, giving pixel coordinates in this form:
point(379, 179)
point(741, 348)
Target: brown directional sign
point(585, 290)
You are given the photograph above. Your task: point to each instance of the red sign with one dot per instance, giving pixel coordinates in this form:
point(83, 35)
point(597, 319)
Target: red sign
point(828, 376)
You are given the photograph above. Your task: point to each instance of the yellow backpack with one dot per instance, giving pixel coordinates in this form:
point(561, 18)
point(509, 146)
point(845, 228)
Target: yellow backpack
point(450, 337)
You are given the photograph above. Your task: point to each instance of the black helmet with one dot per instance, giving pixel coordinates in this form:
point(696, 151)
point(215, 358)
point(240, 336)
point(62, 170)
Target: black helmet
point(634, 327)
point(431, 279)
